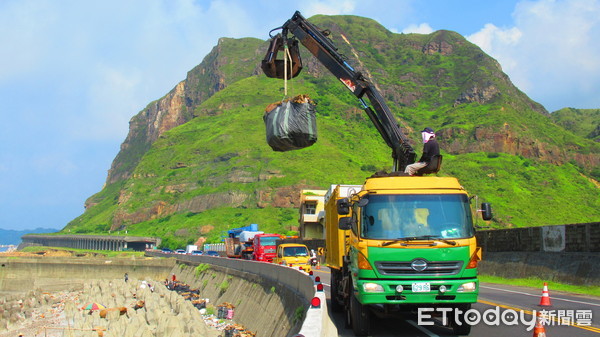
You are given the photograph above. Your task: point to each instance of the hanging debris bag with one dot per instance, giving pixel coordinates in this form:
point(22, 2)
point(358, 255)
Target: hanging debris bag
point(291, 124)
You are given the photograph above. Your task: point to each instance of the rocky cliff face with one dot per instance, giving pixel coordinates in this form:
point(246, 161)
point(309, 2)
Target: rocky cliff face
point(174, 109)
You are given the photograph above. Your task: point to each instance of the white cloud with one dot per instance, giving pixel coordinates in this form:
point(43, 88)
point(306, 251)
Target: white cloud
point(335, 7)
point(551, 51)
point(491, 35)
point(423, 28)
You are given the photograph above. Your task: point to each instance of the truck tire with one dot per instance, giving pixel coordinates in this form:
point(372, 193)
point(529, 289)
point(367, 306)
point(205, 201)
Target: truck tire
point(458, 324)
point(336, 306)
point(361, 317)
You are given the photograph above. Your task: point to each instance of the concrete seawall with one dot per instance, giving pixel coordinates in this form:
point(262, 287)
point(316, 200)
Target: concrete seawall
point(70, 273)
point(270, 300)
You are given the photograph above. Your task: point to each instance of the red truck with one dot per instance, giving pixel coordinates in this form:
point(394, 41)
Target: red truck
point(252, 245)
point(264, 246)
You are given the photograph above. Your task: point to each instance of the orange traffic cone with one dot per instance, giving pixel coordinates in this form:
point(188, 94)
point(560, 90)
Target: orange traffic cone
point(545, 300)
point(539, 330)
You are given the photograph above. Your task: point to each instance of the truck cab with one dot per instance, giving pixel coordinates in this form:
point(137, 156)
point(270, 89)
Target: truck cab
point(264, 247)
point(293, 255)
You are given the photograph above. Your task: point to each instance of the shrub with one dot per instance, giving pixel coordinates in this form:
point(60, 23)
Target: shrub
point(201, 268)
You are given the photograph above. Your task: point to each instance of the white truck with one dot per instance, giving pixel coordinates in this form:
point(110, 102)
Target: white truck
point(190, 248)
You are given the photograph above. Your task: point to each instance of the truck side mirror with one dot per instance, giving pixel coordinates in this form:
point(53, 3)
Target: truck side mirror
point(345, 223)
point(486, 211)
point(343, 206)
point(363, 202)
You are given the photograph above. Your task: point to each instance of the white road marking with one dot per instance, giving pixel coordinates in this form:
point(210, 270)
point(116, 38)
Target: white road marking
point(538, 295)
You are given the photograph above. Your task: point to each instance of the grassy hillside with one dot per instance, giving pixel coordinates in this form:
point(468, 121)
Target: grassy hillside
point(216, 171)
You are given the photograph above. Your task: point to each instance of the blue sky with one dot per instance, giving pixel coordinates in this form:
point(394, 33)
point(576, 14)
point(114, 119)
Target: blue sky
point(72, 73)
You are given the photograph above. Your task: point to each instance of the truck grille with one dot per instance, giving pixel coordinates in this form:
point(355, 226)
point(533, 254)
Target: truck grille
point(403, 268)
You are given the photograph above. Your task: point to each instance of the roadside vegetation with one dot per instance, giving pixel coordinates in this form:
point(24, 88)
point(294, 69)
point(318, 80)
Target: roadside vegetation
point(41, 250)
point(537, 283)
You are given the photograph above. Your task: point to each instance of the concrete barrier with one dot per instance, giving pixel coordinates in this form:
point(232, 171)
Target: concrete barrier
point(583, 237)
point(281, 295)
point(570, 268)
point(561, 253)
point(19, 274)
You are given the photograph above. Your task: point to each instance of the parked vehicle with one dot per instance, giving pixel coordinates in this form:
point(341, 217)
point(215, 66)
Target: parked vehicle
point(251, 244)
point(196, 252)
point(293, 255)
point(167, 251)
point(264, 246)
point(234, 246)
point(190, 248)
point(211, 253)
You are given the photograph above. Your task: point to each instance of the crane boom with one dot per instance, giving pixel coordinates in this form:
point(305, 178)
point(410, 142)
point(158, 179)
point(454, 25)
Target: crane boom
point(317, 42)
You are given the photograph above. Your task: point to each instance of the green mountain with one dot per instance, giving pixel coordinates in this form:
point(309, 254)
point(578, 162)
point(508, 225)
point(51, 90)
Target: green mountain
point(585, 122)
point(196, 161)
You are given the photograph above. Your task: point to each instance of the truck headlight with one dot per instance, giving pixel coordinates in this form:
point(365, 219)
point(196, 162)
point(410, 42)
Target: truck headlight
point(467, 287)
point(372, 288)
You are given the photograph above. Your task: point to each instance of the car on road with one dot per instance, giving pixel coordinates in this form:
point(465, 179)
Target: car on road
point(212, 253)
point(196, 252)
point(293, 255)
point(180, 251)
point(167, 251)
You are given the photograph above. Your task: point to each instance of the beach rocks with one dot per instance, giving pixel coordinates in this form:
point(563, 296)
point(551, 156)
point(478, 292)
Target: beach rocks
point(133, 309)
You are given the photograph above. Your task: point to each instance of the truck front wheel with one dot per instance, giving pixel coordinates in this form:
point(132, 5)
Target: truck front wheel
point(361, 317)
point(458, 324)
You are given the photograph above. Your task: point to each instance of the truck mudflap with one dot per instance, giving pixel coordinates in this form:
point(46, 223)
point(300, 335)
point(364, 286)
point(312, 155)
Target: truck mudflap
point(394, 291)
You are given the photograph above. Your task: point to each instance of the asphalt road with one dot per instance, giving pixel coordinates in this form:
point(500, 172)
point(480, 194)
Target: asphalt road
point(496, 303)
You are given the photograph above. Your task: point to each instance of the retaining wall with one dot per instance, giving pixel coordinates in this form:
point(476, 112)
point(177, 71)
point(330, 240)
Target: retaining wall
point(583, 237)
point(562, 253)
point(19, 274)
point(263, 305)
point(270, 300)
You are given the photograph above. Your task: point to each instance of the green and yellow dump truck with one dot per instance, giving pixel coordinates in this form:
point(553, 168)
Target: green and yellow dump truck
point(401, 243)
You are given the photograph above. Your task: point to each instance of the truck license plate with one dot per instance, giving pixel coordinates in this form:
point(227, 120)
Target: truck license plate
point(421, 287)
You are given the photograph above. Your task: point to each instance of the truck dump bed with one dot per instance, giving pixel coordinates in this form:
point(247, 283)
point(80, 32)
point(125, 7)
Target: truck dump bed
point(334, 238)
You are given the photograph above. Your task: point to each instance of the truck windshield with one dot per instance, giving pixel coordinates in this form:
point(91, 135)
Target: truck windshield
point(440, 216)
point(295, 251)
point(268, 240)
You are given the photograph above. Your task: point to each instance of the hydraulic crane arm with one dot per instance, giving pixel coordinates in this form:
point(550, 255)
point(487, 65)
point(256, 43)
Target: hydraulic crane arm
point(317, 42)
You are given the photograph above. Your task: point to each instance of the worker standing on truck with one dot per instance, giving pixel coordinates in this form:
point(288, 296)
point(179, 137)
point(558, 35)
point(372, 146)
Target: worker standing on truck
point(430, 148)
